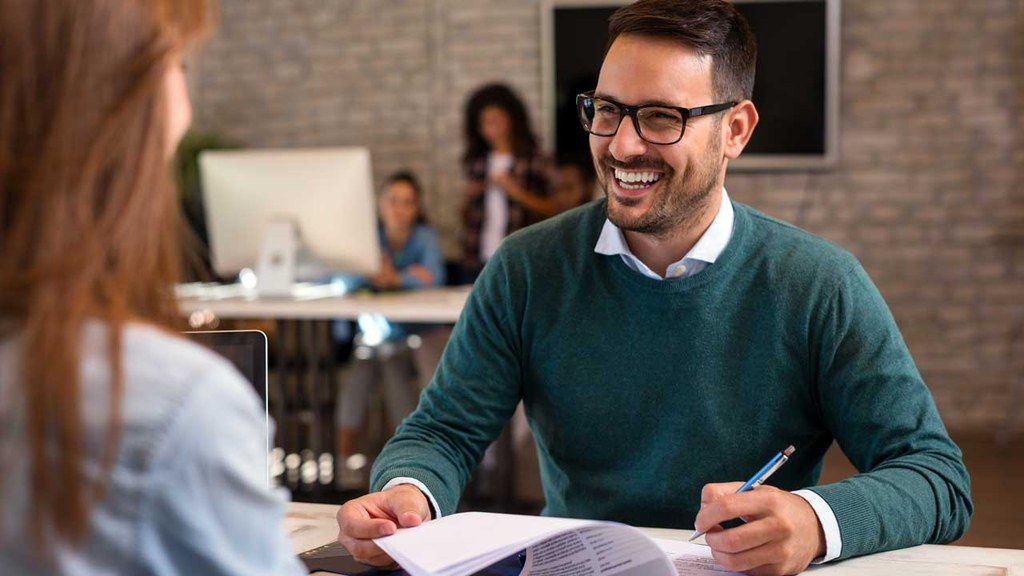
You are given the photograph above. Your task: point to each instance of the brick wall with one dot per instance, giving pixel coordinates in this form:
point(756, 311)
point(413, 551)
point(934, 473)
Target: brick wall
point(929, 191)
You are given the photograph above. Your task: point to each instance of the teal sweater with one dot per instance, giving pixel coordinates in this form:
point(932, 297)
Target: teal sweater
point(641, 391)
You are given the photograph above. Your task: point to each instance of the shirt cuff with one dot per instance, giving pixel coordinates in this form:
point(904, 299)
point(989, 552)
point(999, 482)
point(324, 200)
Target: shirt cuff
point(829, 524)
point(434, 508)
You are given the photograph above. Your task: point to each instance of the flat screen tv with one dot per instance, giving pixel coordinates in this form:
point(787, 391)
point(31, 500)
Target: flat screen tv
point(796, 90)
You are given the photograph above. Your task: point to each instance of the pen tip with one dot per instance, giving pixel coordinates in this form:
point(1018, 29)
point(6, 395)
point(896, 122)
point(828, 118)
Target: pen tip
point(789, 451)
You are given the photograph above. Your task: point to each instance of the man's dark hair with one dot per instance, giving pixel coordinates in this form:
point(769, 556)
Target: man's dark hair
point(710, 27)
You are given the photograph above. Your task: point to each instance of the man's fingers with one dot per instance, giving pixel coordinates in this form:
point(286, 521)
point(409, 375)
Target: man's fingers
point(748, 560)
point(356, 536)
point(772, 570)
point(367, 552)
point(753, 504)
point(409, 519)
point(355, 522)
point(409, 506)
point(377, 515)
point(741, 538)
point(711, 492)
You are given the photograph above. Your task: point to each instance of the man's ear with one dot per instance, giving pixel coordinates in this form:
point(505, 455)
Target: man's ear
point(739, 127)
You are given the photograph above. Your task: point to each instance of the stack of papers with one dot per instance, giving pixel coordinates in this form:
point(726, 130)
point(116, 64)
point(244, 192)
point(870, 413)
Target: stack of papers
point(462, 544)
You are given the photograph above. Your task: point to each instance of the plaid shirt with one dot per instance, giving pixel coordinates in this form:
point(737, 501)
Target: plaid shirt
point(534, 174)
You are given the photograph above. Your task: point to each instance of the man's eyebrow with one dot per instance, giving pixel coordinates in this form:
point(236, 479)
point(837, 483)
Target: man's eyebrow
point(652, 102)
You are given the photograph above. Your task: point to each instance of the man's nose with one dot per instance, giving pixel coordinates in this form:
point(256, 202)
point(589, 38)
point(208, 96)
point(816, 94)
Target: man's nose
point(627, 143)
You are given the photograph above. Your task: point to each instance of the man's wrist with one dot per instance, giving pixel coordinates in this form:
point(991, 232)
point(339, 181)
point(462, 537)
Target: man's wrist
point(828, 526)
point(822, 549)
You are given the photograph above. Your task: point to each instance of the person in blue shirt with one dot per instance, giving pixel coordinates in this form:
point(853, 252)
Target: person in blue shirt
point(410, 253)
point(411, 259)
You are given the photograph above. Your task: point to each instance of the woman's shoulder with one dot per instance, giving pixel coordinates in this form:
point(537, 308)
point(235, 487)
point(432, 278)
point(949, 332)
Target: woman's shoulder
point(150, 350)
point(162, 373)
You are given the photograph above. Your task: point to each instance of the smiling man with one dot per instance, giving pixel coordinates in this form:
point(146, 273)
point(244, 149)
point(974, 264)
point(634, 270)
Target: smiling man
point(667, 341)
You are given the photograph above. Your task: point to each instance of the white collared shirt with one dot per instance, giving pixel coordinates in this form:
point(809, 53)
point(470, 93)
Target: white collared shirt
point(612, 242)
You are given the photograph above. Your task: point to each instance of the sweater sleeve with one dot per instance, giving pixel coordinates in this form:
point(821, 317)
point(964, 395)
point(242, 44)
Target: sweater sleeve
point(474, 392)
point(912, 487)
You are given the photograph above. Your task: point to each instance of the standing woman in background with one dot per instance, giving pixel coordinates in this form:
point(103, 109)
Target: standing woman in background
point(125, 449)
point(508, 176)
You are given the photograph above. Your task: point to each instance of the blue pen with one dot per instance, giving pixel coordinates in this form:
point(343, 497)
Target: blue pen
point(762, 475)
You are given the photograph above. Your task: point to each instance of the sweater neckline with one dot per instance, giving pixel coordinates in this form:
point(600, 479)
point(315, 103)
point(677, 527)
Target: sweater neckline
point(726, 260)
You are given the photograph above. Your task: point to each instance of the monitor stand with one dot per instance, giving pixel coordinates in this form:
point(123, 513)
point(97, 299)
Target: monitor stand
point(285, 261)
point(275, 272)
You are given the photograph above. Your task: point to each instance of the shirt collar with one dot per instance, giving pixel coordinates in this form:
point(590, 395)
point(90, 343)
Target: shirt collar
point(708, 248)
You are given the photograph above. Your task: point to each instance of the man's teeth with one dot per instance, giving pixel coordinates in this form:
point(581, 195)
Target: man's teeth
point(635, 180)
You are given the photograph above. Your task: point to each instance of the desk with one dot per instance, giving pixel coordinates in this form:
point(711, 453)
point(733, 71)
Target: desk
point(312, 525)
point(437, 305)
point(305, 387)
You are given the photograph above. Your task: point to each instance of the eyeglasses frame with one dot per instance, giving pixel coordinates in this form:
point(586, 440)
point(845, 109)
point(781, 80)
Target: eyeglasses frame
point(632, 111)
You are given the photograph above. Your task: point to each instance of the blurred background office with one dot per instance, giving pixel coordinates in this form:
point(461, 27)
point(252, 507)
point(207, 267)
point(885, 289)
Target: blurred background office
point(920, 172)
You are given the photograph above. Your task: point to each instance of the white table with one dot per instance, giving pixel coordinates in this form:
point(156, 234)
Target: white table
point(438, 305)
point(312, 525)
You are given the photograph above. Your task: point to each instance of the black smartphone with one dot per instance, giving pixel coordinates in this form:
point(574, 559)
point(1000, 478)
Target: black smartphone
point(335, 559)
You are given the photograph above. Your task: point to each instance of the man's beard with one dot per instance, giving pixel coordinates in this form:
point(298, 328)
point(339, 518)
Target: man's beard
point(682, 199)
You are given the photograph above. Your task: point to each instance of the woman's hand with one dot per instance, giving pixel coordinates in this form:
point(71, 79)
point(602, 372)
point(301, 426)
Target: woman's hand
point(507, 182)
point(420, 273)
point(387, 278)
point(543, 207)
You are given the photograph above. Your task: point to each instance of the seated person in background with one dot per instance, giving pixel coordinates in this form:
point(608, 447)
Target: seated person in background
point(575, 184)
point(125, 449)
point(666, 341)
point(410, 259)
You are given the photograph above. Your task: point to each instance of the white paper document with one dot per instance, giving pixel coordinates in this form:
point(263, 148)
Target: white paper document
point(690, 559)
point(462, 544)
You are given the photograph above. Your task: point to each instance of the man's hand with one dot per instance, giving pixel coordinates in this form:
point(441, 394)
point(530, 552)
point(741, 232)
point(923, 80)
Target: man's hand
point(376, 515)
point(782, 534)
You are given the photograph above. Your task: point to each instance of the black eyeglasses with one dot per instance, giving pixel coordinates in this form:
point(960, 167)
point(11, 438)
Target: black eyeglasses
point(656, 124)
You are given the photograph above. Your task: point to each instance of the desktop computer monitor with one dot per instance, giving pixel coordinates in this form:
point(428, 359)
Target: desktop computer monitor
point(325, 195)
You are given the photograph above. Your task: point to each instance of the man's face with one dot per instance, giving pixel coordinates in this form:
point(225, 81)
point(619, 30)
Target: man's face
point(639, 70)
